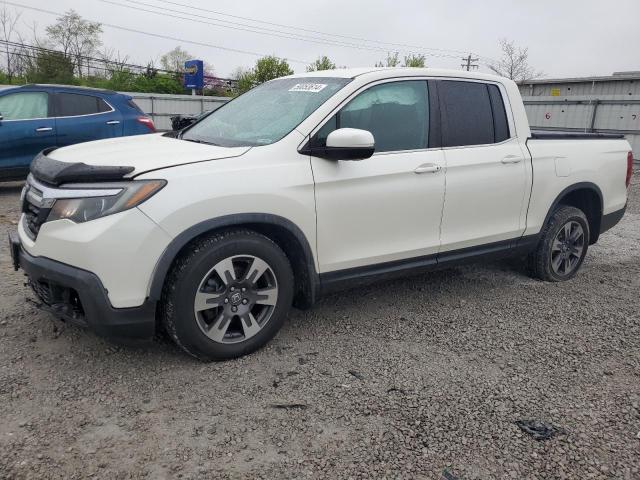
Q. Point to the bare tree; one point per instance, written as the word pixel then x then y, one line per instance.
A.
pixel 9 35
pixel 114 61
pixel 514 63
pixel 76 37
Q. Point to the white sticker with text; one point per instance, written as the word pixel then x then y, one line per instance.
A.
pixel 308 87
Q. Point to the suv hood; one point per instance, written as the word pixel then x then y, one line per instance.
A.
pixel 132 155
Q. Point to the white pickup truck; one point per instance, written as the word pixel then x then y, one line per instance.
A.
pixel 304 185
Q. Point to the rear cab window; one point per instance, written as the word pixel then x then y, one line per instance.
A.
pixel 473 113
pixel 76 104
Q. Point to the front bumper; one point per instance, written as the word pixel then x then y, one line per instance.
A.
pixel 78 296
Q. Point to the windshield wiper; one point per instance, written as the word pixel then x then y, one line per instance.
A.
pixel 195 140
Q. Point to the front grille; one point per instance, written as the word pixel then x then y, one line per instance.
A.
pixel 60 300
pixel 42 291
pixel 35 213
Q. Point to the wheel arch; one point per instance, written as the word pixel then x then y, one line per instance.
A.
pixel 283 232
pixel 586 196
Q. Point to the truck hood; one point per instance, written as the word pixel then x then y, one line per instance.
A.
pixel 141 153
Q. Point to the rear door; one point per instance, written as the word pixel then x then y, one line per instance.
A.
pixel 82 117
pixel 388 207
pixel 487 174
pixel 26 128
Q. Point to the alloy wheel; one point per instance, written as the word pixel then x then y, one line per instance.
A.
pixel 236 299
pixel 567 248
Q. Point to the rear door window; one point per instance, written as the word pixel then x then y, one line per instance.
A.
pixel 24 105
pixel 74 104
pixel 467 117
pixel 134 106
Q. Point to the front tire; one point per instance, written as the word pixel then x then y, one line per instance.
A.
pixel 562 246
pixel 228 295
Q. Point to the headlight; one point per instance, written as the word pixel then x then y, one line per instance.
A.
pixel 121 196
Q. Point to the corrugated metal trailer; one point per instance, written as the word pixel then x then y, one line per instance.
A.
pixel 160 106
pixel 592 104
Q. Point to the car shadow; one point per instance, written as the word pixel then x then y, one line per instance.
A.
pixel 10 188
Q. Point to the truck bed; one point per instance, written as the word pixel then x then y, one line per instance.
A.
pixel 555 135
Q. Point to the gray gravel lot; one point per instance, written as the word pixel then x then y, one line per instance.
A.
pixel 421 378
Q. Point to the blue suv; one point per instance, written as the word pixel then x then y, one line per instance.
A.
pixel 34 117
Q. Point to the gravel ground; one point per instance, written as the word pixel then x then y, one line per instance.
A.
pixel 424 379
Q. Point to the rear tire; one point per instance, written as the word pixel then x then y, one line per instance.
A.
pixel 227 295
pixel 562 246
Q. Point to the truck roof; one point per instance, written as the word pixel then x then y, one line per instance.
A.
pixel 390 72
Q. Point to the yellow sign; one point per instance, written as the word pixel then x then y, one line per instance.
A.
pixel 555 92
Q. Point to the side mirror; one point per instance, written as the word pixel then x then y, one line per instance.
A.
pixel 1 117
pixel 346 144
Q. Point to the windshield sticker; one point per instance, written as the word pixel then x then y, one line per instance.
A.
pixel 308 87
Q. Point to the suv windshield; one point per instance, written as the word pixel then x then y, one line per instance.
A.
pixel 266 113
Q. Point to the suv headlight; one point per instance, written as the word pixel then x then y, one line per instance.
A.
pixel 99 200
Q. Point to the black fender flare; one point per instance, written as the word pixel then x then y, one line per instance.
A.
pixel 235 220
pixel 571 188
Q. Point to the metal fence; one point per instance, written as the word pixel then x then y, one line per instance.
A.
pixel 162 106
pixel 609 104
pixel 611 115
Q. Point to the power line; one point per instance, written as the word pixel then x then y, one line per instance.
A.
pixel 416 47
pixel 263 30
pixel 117 66
pixel 156 35
pixel 470 63
pixel 251 29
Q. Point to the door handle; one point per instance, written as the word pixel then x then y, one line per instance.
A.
pixel 44 129
pixel 428 168
pixel 511 159
pixel 113 122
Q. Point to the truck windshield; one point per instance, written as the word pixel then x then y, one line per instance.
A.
pixel 266 113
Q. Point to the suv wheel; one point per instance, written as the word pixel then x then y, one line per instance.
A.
pixel 228 295
pixel 562 246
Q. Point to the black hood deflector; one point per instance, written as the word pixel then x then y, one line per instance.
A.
pixel 55 172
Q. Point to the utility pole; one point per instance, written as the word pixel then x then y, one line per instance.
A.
pixel 469 63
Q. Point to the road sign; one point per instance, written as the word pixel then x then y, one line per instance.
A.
pixel 193 74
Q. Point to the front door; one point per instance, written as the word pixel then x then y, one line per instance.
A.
pixel 25 130
pixel 388 207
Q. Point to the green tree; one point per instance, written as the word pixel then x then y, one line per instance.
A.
pixel 246 80
pixel 76 37
pixel 392 60
pixel 173 60
pixel 414 60
pixel 322 63
pixel 266 68
pixel 51 67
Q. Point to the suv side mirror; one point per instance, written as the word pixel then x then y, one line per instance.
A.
pixel 345 144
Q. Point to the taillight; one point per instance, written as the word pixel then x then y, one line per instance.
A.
pixel 629 169
pixel 147 122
